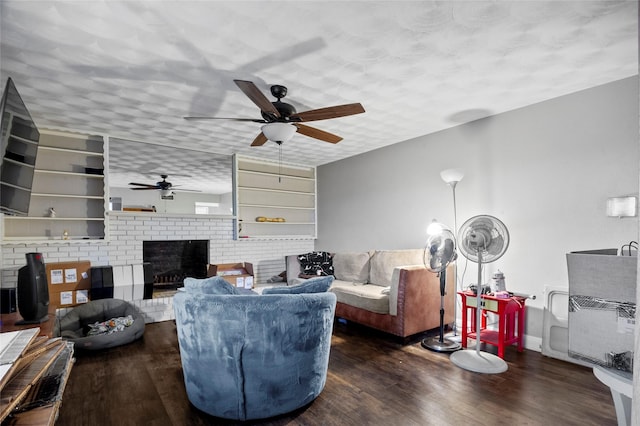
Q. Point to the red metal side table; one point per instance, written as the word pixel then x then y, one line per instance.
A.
pixel 510 320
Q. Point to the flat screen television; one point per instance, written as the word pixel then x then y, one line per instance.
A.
pixel 19 138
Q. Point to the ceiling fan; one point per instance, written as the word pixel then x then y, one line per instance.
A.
pixel 163 185
pixel 282 120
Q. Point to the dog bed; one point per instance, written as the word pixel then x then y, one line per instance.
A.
pixel 101 324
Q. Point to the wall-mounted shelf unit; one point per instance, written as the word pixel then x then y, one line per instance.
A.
pixel 68 178
pixel 274 191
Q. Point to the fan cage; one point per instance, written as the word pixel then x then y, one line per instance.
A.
pixel 439 250
pixel 475 232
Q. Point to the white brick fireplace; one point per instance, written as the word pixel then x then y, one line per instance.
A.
pixel 127 232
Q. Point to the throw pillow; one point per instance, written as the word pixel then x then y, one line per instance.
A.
pixel 211 285
pixel 352 267
pixel 312 285
pixel 383 262
pixel 315 264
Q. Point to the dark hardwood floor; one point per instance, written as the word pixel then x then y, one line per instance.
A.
pixel 373 380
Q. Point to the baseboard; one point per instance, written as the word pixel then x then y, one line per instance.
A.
pixel 532 343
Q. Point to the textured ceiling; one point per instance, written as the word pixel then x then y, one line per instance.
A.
pixel 134 69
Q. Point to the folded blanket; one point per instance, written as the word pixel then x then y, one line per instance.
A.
pixel 110 326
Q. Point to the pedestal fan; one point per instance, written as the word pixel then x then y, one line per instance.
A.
pixel 439 251
pixel 481 239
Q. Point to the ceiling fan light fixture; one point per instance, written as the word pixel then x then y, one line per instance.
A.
pixel 278 132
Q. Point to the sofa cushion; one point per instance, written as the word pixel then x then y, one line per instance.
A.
pixel 315 263
pixel 369 297
pixel 383 262
pixel 353 267
pixel 211 285
pixel 312 285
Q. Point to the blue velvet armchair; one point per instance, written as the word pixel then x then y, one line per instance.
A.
pixel 248 356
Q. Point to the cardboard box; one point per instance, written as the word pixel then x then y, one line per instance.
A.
pixel 602 305
pixel 123 282
pixel 238 274
pixel 65 279
pixel 68 299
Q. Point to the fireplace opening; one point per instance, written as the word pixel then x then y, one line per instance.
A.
pixel 173 261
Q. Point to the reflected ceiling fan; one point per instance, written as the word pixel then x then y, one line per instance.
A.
pixel 281 120
pixel 163 185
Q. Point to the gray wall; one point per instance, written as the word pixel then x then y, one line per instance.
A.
pixel 545 170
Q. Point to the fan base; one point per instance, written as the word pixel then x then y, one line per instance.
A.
pixel 453 336
pixel 434 344
pixel 479 361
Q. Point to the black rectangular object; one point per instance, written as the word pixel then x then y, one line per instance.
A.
pixel 33 290
pixel 101 293
pixel 148 280
pixel 19 138
pixel 173 260
pixel 101 282
pixel 148 272
pixel 101 276
pixel 8 300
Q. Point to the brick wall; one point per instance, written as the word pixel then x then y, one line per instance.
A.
pixel 127 232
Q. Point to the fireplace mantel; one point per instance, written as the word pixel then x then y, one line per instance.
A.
pixel 170 215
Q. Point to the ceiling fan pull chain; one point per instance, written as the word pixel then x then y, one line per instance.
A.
pixel 279 162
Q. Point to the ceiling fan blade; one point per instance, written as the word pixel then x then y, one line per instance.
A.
pixel 146 185
pixel 145 189
pixel 259 140
pixel 173 188
pixel 195 118
pixel 329 112
pixel 258 98
pixel 312 132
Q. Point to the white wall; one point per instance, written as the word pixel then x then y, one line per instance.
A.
pixel 545 170
pixel 183 202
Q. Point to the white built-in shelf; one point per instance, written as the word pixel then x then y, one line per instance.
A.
pixel 18 163
pixel 253 188
pixel 11 185
pixel 69 151
pixel 68 177
pixel 271 206
pixel 274 190
pixel 56 195
pixel 54 219
pixel 278 237
pixel 77 174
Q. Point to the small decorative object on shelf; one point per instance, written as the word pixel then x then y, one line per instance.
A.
pixel 270 219
pixel 65 235
pixel 52 212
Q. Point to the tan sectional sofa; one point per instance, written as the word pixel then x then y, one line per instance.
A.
pixel 389 290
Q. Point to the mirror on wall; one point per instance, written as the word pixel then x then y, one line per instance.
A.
pixel 168 179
